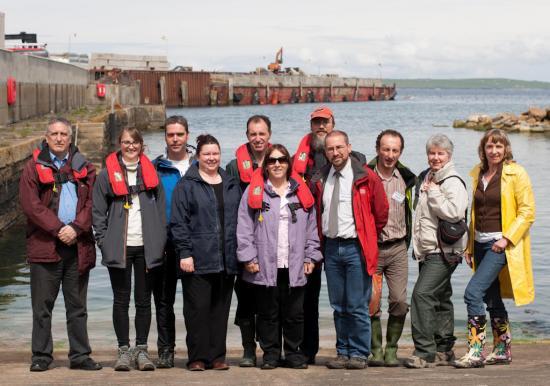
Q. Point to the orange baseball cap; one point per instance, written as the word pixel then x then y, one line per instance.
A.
pixel 322 112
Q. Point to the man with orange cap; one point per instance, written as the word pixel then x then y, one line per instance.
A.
pixel 308 159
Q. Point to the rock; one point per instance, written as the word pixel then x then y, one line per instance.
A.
pixel 532 121
pixel 537 113
pixel 458 123
pixel 537 129
pixel 524 127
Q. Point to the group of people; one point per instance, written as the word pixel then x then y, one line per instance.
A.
pixel 264 227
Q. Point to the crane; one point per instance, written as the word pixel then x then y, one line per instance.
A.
pixel 275 67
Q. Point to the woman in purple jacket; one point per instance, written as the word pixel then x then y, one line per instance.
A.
pixel 278 244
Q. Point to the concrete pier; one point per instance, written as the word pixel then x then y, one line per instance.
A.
pixel 530 367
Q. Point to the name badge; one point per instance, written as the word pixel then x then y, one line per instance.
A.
pixel 398 196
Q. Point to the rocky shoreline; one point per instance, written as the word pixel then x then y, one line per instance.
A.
pixel 534 120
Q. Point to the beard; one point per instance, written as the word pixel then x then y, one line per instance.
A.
pixel 318 144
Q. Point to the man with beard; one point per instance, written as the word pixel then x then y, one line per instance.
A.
pixel 250 156
pixel 309 158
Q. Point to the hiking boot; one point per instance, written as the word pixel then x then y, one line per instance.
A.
pixel 340 362
pixel 502 343
pixel 166 359
pixel 377 356
pixel 415 362
pixel 142 361
pixel 248 336
pixel 393 333
pixel 476 343
pixel 446 358
pixel 356 363
pixel 124 359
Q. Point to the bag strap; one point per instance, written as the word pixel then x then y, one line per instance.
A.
pixel 463 183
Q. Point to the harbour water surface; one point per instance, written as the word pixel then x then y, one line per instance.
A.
pixel 416 113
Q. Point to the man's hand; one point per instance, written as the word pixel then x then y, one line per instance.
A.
pixel 252 267
pixel 308 268
pixel 187 264
pixel 67 235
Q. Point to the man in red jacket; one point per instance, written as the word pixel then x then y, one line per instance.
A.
pixel 352 210
pixel 55 191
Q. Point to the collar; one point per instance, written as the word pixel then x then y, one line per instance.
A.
pixel 394 173
pixel 344 172
pixel 55 159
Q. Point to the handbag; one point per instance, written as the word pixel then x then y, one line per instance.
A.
pixel 450 233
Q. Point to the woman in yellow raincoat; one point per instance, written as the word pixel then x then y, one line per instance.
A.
pixel 499 251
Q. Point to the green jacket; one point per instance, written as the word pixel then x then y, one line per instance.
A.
pixel 410 181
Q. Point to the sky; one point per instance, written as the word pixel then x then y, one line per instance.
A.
pixel 384 38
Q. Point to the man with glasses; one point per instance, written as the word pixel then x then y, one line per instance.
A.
pixel 354 209
pixel 55 193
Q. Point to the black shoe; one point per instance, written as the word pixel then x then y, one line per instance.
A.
pixel 166 359
pixel 39 365
pixel 86 364
pixel 269 365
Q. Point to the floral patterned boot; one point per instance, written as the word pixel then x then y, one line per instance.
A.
pixel 502 349
pixel 476 343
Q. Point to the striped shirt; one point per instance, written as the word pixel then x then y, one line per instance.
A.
pixel 396 227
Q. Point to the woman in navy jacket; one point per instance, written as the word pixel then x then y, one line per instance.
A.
pixel 203 227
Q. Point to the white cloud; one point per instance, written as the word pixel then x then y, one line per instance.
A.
pixel 424 38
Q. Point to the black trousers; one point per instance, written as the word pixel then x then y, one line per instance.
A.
pixel 206 303
pixel 46 278
pixel 164 294
pixel 311 314
pixel 121 283
pixel 281 306
pixel 246 302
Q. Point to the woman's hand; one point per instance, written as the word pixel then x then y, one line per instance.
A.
pixel 308 268
pixel 468 258
pixel 500 245
pixel 187 264
pixel 252 267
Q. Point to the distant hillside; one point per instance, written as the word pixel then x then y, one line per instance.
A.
pixel 467 83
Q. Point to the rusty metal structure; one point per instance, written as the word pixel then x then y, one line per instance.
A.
pixel 199 88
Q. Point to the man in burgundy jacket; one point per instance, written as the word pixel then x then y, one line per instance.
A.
pixel 55 191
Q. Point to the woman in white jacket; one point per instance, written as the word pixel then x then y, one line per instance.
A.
pixel 441 195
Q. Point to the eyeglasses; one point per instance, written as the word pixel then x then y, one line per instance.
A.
pixel 130 143
pixel 273 160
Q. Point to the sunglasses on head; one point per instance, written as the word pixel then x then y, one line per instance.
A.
pixel 273 160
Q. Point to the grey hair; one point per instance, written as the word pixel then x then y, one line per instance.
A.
pixel 441 141
pixel 61 120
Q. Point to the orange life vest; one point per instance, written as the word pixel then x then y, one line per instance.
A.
pixel 46 174
pixel 256 191
pixel 118 180
pixel 302 157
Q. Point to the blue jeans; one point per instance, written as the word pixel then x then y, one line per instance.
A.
pixel 349 291
pixel 484 286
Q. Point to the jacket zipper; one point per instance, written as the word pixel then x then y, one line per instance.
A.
pixel 218 225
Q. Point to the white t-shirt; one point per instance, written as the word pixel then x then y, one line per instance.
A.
pixel 182 165
pixel 134 236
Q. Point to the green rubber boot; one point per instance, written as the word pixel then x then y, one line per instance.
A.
pixel 377 356
pixel 393 333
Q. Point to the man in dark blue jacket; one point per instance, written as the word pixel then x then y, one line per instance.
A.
pixel 171 166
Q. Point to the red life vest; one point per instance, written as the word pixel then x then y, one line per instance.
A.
pixel 256 191
pixel 302 157
pixel 46 174
pixel 244 163
pixel 118 180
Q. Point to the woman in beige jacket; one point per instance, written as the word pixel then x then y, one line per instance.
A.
pixel 441 195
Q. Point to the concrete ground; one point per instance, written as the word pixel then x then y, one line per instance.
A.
pixel 531 366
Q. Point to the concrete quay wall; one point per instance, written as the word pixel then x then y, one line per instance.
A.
pixel 43 86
